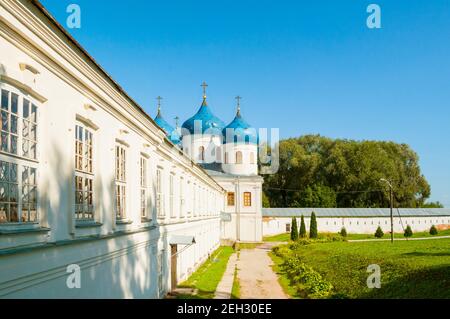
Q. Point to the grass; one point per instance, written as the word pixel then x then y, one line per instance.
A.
pixel 409 269
pixel 236 290
pixel 247 245
pixel 286 236
pixel 282 277
pixel 208 275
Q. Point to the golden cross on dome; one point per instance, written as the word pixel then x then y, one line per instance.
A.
pixel 159 102
pixel 204 85
pixel 238 99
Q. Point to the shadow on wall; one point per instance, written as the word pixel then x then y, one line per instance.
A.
pixel 126 266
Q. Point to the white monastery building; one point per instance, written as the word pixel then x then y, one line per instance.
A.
pixel 88 179
pixel 92 186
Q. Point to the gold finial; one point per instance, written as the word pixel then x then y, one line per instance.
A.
pixel 204 85
pixel 238 99
pixel 159 104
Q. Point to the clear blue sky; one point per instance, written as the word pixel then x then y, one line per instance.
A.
pixel 302 66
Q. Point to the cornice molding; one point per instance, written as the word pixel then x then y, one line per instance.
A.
pixel 21 86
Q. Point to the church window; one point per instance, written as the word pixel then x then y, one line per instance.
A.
pixel 84 172
pixel 201 152
pixel 171 194
pixel 226 157
pixel 230 199
pixel 121 182
pixel 252 158
pixel 144 187
pixel 288 228
pixel 181 197
pixel 238 157
pixel 18 175
pixel 247 199
pixel 159 195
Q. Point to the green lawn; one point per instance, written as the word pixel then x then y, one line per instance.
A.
pixel 409 269
pixel 236 289
pixel 208 276
pixel 286 236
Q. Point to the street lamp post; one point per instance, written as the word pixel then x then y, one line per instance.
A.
pixel 391 199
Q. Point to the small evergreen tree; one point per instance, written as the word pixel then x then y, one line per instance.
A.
pixel 343 232
pixel 313 226
pixel 379 233
pixel 302 228
pixel 433 230
pixel 408 232
pixel 294 229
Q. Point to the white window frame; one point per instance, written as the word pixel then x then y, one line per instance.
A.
pixel 172 195
pixel 160 211
pixel 182 196
pixel 18 157
pixel 86 173
pixel 144 194
pixel 120 156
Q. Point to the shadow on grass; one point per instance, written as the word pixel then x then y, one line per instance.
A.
pixel 426 254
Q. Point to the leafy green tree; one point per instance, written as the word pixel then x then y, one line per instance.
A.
pixel 265 201
pixel 343 232
pixel 408 232
pixel 432 205
pixel 379 232
pixel 302 227
pixel 313 226
pixel 316 171
pixel 294 229
pixel 433 230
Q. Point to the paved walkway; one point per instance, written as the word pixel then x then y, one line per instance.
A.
pixel 255 274
pixel 397 239
pixel 223 290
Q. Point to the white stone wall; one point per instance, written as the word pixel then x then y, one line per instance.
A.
pixel 117 259
pixel 366 225
pixel 244 168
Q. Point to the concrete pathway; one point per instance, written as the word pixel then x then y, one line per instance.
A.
pixel 255 274
pixel 223 290
pixel 397 239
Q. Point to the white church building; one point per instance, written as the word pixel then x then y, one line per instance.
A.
pixel 92 185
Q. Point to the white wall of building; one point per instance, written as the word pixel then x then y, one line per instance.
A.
pixel 117 259
pixel 362 225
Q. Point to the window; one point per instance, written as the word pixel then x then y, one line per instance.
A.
pixel 144 185
pixel 230 199
pixel 238 157
pixel 226 157
pixel 252 158
pixel 247 199
pixel 181 197
pixel 288 228
pixel 201 153
pixel 121 183
pixel 84 173
pixel 171 192
pixel 159 196
pixel 18 175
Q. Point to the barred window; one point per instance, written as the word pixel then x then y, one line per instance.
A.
pixel 18 173
pixel 121 183
pixel 181 197
pixel 84 173
pixel 247 199
pixel 144 185
pixel 171 192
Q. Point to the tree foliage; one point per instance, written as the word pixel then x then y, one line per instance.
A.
pixel 408 232
pixel 379 232
pixel 294 229
pixel 343 232
pixel 316 171
pixel 433 230
pixel 302 233
pixel 313 226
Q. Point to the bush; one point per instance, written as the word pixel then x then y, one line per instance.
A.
pixel 343 232
pixel 433 230
pixel 408 232
pixel 379 233
pixel 294 229
pixel 302 228
pixel 313 226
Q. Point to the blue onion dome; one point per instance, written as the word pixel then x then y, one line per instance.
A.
pixel 172 134
pixel 242 132
pixel 206 121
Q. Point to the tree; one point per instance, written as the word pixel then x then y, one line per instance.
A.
pixel 379 232
pixel 343 232
pixel 433 230
pixel 408 232
pixel 265 200
pixel 313 226
pixel 294 229
pixel 316 171
pixel 302 227
pixel 432 205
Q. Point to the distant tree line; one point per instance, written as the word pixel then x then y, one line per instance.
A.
pixel 317 171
